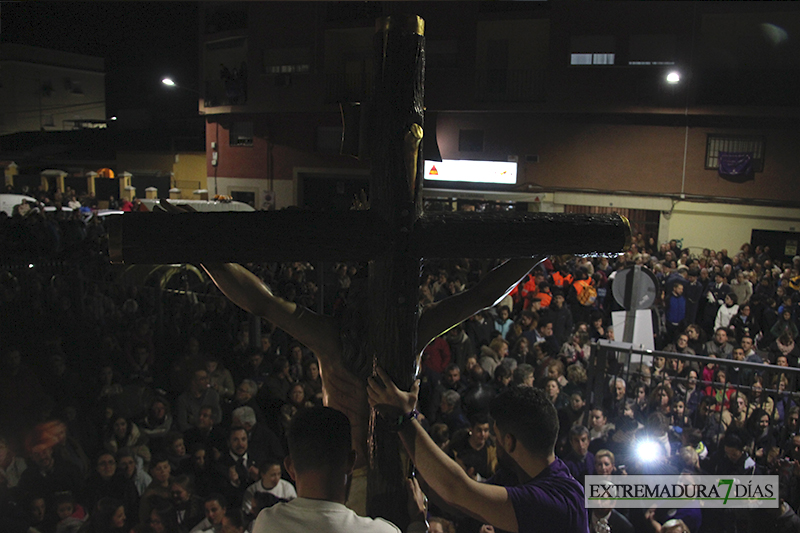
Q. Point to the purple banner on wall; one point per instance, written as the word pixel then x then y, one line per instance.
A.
pixel 736 166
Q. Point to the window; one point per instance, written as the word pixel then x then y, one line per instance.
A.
pixel 733 143
pixel 287 60
pixel 592 50
pixel 652 50
pixel 470 141
pixel 242 134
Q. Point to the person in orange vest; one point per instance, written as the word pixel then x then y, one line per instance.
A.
pixel 583 297
pixel 523 291
pixel 562 278
pixel 544 295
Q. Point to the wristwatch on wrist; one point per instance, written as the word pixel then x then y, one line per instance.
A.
pixel 402 420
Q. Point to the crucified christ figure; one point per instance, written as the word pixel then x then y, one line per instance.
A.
pixel 344 367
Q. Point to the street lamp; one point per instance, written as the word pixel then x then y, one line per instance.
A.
pixel 169 82
pixel 673 77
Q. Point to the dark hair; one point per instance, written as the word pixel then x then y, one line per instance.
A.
pixel 266 464
pixel 217 497
pixel 234 429
pixel 235 518
pixel 64 497
pixel 693 436
pixel 171 436
pixel 279 364
pixel 319 439
pixel 479 418
pixel 440 433
pixel 185 481
pixel 452 366
pixel 103 511
pixel 166 512
pixel 501 372
pixel 527 414
pixel 732 439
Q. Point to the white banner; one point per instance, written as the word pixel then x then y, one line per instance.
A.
pixel 686 490
pixel 503 172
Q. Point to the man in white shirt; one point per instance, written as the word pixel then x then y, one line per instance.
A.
pixel 320 462
pixel 271 484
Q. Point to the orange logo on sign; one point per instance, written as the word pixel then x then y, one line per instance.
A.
pixel 433 171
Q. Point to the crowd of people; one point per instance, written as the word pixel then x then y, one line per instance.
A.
pixel 128 408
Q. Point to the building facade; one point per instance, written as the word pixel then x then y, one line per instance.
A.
pixel 49 90
pixel 575 93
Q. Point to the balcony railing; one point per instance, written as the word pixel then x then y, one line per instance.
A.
pixel 501 85
pixel 225 92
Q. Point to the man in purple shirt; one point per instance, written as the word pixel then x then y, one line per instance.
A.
pixel 526 427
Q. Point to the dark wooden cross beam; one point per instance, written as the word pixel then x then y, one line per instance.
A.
pixel 394 235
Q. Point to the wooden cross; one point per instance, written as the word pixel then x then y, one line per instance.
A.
pixel 394 235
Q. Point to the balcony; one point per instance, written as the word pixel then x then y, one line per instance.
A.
pixel 225 92
pixel 496 85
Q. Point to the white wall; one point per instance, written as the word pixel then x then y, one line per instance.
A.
pixel 694 224
pixel 717 226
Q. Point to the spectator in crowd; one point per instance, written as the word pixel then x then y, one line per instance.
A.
pixel 107 516
pixel 579 460
pixel 107 481
pixel 219 377
pixel 216 509
pixel 205 433
pixel 130 469
pixel 187 505
pixel 198 394
pixel 476 446
pixel 160 472
pixel 268 490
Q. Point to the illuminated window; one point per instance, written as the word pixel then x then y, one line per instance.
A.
pixel 592 50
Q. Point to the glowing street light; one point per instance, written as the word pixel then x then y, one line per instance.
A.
pixel 168 82
pixel 673 77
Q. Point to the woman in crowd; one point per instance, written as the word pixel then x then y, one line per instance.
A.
pixel 123 433
pixel 577 349
pixel 312 381
pixel 158 420
pixel 661 400
pixel 297 400
pixel 107 516
pixel 553 391
pixel 219 377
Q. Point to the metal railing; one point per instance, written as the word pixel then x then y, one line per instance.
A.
pixel 629 360
pixel 503 85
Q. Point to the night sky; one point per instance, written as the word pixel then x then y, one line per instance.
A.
pixel 140 41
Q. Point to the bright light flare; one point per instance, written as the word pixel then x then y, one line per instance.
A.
pixel 168 82
pixel 648 451
pixel 673 77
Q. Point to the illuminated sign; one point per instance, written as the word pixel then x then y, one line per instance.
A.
pixel 501 172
